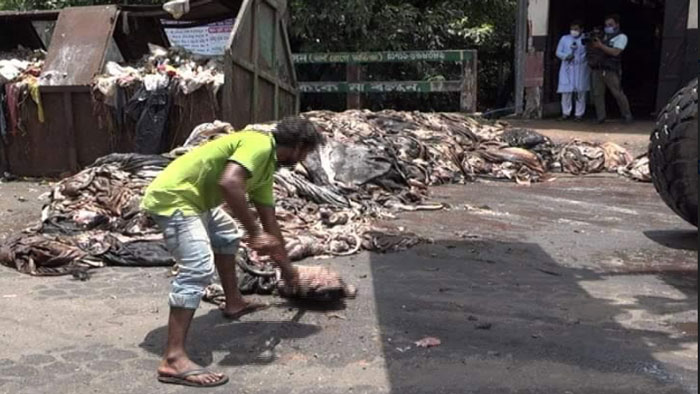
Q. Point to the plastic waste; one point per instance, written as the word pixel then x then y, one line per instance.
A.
pixel 177 8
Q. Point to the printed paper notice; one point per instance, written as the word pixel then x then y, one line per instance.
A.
pixel 208 40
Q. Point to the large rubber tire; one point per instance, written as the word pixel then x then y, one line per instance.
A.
pixel 673 153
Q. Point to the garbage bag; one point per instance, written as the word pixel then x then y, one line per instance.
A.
pixel 150 110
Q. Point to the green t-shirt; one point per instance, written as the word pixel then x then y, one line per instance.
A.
pixel 190 183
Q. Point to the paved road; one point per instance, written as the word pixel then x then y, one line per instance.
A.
pixel 579 285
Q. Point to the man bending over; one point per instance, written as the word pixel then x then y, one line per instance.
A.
pixel 184 200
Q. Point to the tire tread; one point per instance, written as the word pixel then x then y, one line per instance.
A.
pixel 673 153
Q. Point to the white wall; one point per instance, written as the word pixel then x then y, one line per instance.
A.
pixel 538 14
pixel 693 15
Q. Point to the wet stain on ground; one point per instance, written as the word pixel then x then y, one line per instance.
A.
pixel 688 328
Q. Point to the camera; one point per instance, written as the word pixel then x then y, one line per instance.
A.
pixel 595 34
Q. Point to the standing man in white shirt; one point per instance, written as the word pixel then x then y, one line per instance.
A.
pixel 574 74
pixel 607 72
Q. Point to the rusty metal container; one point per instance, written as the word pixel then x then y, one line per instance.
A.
pixel 260 83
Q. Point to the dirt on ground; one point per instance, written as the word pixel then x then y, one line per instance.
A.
pixel 20 204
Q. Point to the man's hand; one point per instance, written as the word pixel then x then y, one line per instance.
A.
pixel 610 51
pixel 278 254
pixel 596 43
pixel 569 58
pixel 290 275
pixel 266 244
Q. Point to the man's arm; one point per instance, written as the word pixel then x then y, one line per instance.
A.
pixel 562 52
pixel 233 189
pixel 610 51
pixel 269 220
pixel 270 225
pixel 233 184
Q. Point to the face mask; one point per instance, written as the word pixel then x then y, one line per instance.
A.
pixel 610 30
pixel 286 163
pixel 575 33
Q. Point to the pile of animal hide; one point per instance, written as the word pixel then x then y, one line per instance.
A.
pixel 373 165
pixel 93 219
pixel 638 169
pixel 427 149
pixel 314 283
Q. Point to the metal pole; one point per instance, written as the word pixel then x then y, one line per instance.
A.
pixel 467 99
pixel 353 74
pixel 519 64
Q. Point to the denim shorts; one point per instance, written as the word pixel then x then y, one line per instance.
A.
pixel 193 241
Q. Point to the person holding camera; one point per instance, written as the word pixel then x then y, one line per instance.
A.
pixel 574 75
pixel 606 65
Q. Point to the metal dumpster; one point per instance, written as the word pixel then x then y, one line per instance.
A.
pixel 24 29
pixel 260 83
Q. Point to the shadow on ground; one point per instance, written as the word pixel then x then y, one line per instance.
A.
pixel 675 239
pixel 510 318
pixel 244 343
pixel 513 320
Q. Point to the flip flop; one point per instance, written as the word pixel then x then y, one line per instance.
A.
pixel 181 378
pixel 250 308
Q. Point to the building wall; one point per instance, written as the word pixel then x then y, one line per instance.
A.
pixel 692 40
pixel 693 15
pixel 538 18
pixel 538 13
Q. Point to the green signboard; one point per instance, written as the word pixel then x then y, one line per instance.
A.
pixel 380 87
pixel 466 86
pixel 384 57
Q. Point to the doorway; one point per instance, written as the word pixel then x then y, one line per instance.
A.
pixel 641 20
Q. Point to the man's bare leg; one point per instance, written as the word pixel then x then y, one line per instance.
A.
pixel 235 303
pixel 175 360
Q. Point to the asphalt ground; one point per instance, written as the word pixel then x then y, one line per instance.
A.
pixel 577 285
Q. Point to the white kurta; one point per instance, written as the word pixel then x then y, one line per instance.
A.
pixel 574 75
